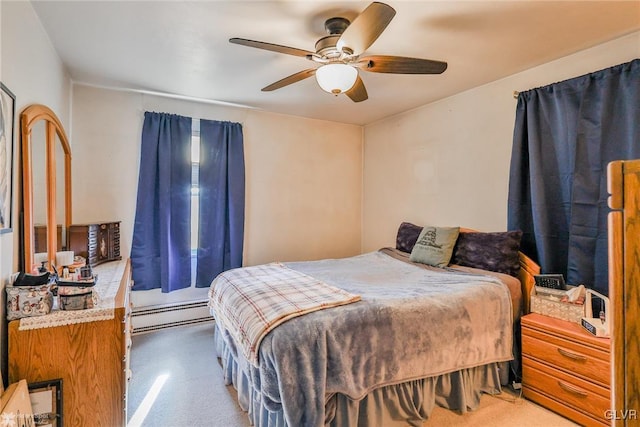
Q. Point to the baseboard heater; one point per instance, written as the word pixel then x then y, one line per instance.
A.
pixel 154 318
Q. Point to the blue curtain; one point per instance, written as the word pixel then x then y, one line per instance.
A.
pixel 565 135
pixel 221 182
pixel 160 252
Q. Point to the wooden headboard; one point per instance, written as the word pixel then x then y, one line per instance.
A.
pixel 528 269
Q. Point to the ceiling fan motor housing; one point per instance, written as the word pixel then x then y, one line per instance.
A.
pixel 326 46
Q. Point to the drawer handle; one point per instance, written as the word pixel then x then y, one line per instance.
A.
pixel 572 389
pixel 573 356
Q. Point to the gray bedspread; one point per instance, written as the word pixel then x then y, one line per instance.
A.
pixel 411 323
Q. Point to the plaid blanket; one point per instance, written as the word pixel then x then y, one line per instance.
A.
pixel 249 302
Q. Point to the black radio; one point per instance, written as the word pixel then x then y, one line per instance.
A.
pixel 553 281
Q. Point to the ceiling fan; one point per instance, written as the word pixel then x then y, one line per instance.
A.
pixel 339 54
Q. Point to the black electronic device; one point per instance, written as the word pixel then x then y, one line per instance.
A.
pixel 552 281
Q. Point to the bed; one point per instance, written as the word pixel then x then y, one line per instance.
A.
pixel 396 337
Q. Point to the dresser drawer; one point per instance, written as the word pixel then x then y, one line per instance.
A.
pixel 565 389
pixel 580 360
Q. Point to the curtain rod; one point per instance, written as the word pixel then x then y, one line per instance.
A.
pixel 515 94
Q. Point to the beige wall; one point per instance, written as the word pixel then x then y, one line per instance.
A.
pixel 32 70
pixel 303 177
pixel 447 163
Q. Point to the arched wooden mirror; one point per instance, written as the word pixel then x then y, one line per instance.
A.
pixel 46 183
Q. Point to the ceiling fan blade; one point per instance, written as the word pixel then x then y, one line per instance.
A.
pixel 358 92
pixel 272 47
pixel 401 65
pixel 301 75
pixel 366 28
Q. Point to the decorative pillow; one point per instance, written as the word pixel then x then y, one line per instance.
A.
pixel 407 236
pixel 489 251
pixel 435 246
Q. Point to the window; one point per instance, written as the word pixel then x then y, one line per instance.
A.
pixel 211 168
pixel 195 196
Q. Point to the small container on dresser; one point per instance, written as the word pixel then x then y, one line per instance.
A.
pixel 97 242
pixel 566 369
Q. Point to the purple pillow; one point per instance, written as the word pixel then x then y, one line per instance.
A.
pixel 407 236
pixel 489 251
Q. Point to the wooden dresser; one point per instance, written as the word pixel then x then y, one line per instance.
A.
pixel 97 242
pixel 566 369
pixel 90 355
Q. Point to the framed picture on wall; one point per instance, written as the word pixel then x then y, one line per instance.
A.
pixel 46 403
pixel 7 137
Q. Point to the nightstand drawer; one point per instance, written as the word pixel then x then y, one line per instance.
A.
pixel 567 355
pixel 573 392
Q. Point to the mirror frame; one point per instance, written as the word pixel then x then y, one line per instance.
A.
pixel 29 117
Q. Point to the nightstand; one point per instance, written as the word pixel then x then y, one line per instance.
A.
pixel 566 369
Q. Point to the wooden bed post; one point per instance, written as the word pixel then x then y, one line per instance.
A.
pixel 623 179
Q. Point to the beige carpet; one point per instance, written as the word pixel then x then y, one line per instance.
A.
pixel 193 392
pixel 497 411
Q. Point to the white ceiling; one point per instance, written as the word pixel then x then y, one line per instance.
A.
pixel 182 48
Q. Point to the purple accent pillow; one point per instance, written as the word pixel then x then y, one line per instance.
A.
pixel 407 236
pixel 489 251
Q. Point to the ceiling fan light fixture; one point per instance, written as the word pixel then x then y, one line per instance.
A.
pixel 336 78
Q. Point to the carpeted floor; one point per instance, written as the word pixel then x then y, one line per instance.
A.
pixel 178 366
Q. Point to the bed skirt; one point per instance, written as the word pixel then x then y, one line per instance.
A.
pixel 408 403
